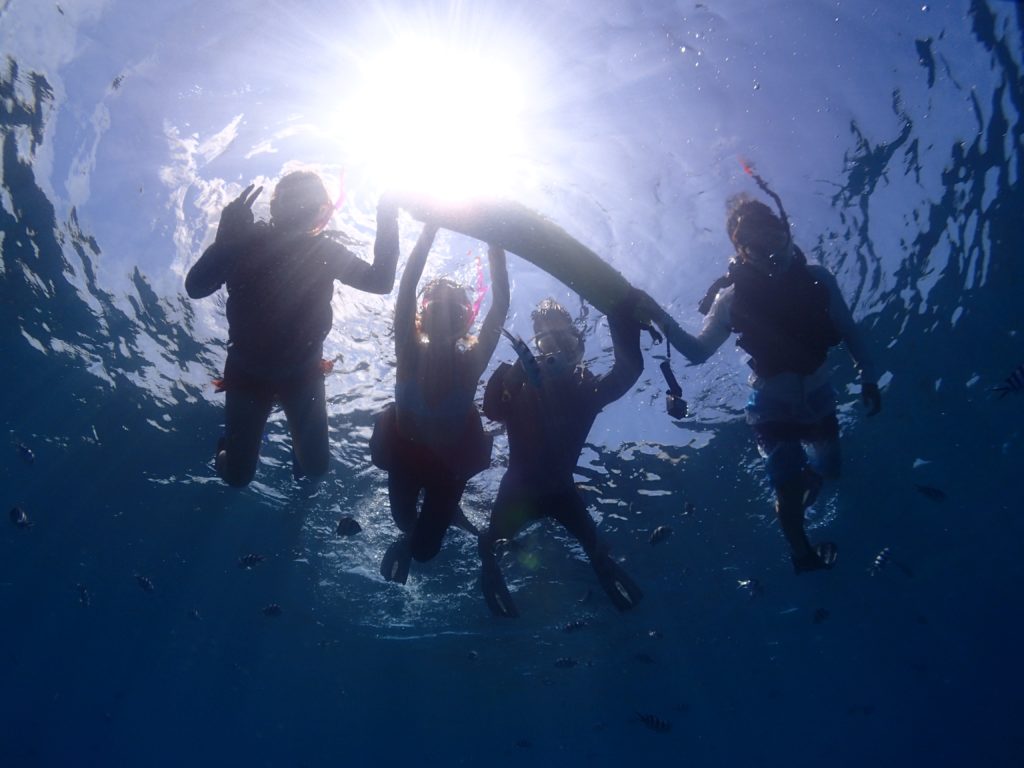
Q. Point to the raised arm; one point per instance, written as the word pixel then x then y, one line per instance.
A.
pixel 378 277
pixel 236 222
pixel 405 306
pixel 629 361
pixel 209 273
pixel 490 329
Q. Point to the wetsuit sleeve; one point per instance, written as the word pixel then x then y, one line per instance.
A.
pixel 378 277
pixel 490 329
pixel 405 305
pixel 495 394
pixel 211 271
pixel 629 361
pixel 840 314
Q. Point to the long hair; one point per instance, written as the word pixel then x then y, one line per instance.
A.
pixel 444 289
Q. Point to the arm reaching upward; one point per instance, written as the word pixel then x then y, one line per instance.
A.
pixel 236 221
pixel 629 361
pixel 490 329
pixel 378 277
pixel 405 306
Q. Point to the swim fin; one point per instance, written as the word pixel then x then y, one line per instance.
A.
pixel 621 589
pixel 496 594
pixel 822 557
pixel 394 566
pixel 463 522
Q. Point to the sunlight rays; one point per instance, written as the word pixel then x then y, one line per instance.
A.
pixel 430 113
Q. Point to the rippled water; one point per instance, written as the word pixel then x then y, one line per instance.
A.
pixel 894 136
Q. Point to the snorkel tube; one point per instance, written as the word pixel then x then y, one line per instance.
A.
pixel 529 362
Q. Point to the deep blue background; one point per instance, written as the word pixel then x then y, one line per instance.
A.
pixel 910 666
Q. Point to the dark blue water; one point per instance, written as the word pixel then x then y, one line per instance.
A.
pixel 107 382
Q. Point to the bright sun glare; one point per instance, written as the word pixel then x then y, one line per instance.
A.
pixel 436 117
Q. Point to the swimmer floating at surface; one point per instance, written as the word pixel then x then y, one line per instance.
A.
pixel 549 408
pixel 431 438
pixel 280 281
pixel 788 314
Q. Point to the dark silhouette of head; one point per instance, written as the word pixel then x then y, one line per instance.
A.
pixel 446 312
pixel 300 203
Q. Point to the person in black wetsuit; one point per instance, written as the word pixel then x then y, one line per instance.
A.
pixel 431 439
pixel 280 281
pixel 548 404
pixel 787 314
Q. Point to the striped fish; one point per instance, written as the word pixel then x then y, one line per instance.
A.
pixel 1013 383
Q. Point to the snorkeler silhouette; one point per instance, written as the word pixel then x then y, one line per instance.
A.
pixel 431 438
pixel 549 404
pixel 280 281
pixel 787 314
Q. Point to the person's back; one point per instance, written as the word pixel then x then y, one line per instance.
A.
pixel 547 423
pixel 548 405
pixel 279 299
pixel 431 440
pixel 280 281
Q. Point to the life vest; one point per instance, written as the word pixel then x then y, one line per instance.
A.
pixel 783 321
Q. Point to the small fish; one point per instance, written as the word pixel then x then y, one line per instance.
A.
pixel 644 658
pixel 654 634
pixel 250 561
pixel 272 610
pixel 750 587
pixel 1013 384
pixel 934 494
pixel 884 558
pixel 655 723
pixel 473 655
pixel 117 82
pixel 144 583
pixel 689 508
pixel 20 518
pixel 83 595
pixel 878 564
pixel 348 526
pixel 195 615
pixel 820 615
pixel 574 626
pixel 566 662
pixel 27 455
pixel 660 534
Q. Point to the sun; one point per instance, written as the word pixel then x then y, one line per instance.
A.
pixel 435 115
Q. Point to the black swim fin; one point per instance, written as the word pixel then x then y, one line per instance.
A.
pixel 463 522
pixel 621 589
pixel 496 594
pixel 822 557
pixel 394 566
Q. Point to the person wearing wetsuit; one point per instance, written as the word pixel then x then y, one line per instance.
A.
pixel 280 281
pixel 548 404
pixel 787 314
pixel 431 439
